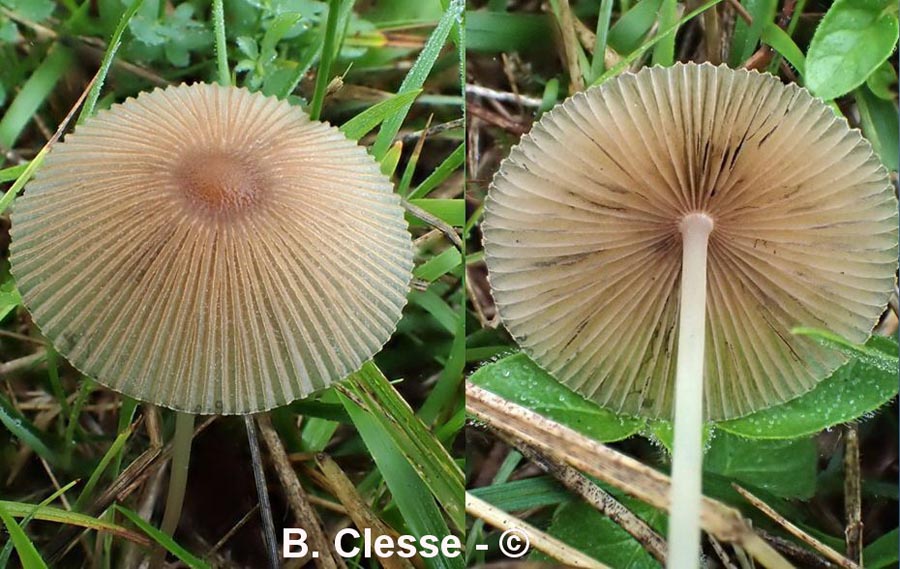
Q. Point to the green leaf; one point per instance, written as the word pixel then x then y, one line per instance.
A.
pixel 883 82
pixel 886 360
pixel 883 551
pixel 518 379
pixel 159 537
pixel 786 468
pixel 248 47
pixel 9 297
pixel 114 449
pixel 879 122
pixel 28 554
pixel 9 33
pixel 364 122
pixel 318 431
pixel 854 38
pixel 660 36
pixel 589 531
pixel 34 10
pixel 855 389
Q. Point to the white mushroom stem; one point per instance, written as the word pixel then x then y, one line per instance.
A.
pixel 178 471
pixel 687 460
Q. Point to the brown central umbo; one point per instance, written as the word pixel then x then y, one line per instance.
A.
pixel 220 181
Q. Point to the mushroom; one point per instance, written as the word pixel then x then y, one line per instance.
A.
pixel 211 250
pixel 698 212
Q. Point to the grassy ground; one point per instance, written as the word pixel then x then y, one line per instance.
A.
pixel 76 457
pixel 806 470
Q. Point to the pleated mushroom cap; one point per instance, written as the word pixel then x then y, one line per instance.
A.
pixel 211 250
pixel 583 247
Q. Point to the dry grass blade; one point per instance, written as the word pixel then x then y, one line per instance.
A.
pixel 828 552
pixel 343 489
pixel 853 494
pixel 721 554
pixel 538 539
pixel 566 22
pixel 611 467
pixel 602 501
pixel 305 515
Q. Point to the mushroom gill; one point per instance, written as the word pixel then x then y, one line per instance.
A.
pixel 583 239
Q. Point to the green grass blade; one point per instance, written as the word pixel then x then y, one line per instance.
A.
pixel 101 467
pixel 631 28
pixel 28 554
pixel 11 173
pixel 598 65
pixel 446 390
pixel 631 57
pixel 318 431
pixel 364 122
pixel 33 94
pixel 7 549
pixel 441 173
pixel 432 303
pixel 87 385
pixel 439 265
pixel 424 453
pixel 417 75
pixel 497 32
pixel 323 73
pixel 159 537
pixel 410 494
pixel 27 433
pixel 452 212
pixel 785 46
pixel 60 516
pixel 23 178
pixel 664 52
pixel 390 160
pixel 221 45
pixel 746 36
pixel 115 41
